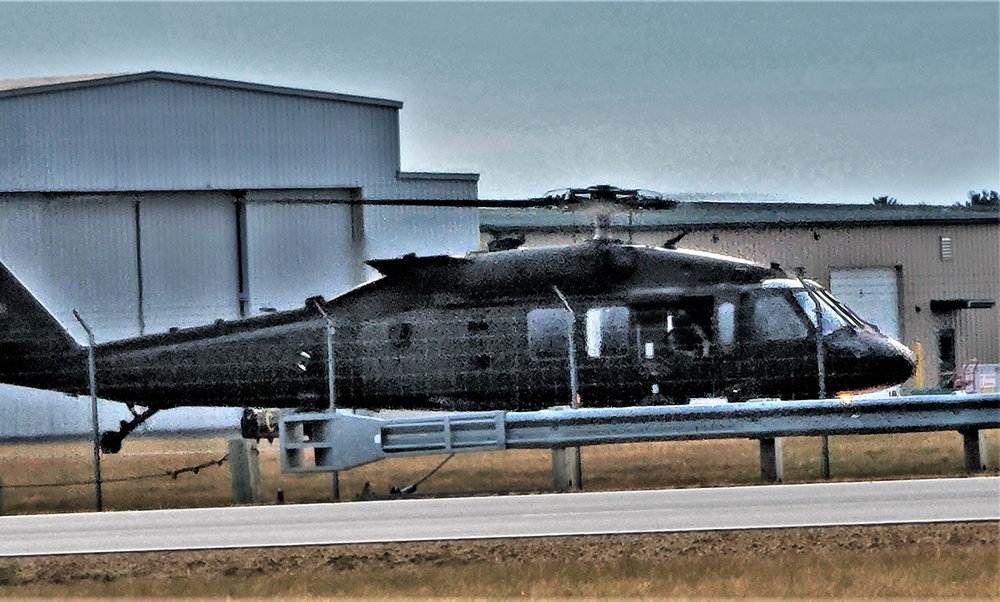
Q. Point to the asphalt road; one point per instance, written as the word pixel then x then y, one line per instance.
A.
pixel 818 504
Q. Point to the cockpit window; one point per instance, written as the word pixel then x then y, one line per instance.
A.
pixel 832 319
pixel 775 319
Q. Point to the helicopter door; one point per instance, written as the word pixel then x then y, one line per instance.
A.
pixel 778 354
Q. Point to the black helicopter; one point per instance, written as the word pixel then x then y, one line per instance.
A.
pixel 487 331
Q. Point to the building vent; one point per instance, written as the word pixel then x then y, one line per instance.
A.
pixel 946 251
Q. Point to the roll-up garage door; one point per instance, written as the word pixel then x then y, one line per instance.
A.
pixel 872 293
pixel 190 269
pixel 297 250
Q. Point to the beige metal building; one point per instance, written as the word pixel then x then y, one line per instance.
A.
pixel 928 275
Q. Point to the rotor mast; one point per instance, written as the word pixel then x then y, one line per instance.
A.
pixel 603 202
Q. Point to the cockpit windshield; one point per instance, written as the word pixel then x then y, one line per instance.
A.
pixel 832 319
pixel 845 311
pixel 835 314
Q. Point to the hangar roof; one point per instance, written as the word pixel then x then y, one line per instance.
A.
pixel 702 215
pixel 42 85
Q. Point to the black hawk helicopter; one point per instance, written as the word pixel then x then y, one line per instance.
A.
pixel 487 331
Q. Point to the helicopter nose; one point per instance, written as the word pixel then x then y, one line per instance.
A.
pixel 896 360
pixel 865 360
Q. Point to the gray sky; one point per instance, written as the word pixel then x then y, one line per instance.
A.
pixel 827 102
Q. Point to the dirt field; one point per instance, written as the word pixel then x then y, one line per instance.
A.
pixel 949 560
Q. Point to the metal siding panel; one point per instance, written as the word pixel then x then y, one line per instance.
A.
pixel 91 254
pixel 76 254
pixel 159 135
pixel 396 231
pixel 22 244
pixel 296 251
pixel 33 414
pixel 422 188
pixel 189 260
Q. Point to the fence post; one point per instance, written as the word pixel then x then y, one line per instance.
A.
pixel 94 419
pixel 772 462
pixel 974 444
pixel 331 374
pixel 244 470
pixel 567 468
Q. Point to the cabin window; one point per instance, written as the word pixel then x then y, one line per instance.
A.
pixel 684 328
pixel 548 332
pixel 775 320
pixel 725 315
pixel 607 331
pixel 401 335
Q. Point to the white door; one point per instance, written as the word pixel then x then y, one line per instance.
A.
pixel 873 293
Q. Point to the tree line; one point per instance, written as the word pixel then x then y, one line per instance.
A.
pixel 986 198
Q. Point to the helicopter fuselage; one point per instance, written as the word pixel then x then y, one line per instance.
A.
pixel 494 331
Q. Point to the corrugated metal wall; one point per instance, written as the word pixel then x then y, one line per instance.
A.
pixel 147 260
pixel 189 260
pixel 395 231
pixel 973 272
pixel 30 415
pixel 170 135
pixel 425 186
pixel 76 254
pixel 296 251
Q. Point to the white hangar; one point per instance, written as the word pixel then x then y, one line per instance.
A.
pixel 149 201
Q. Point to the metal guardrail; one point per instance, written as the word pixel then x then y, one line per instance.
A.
pixel 339 441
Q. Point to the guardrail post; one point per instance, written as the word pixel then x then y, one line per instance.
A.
pixel 772 462
pixel 974 443
pixel 566 469
pixel 244 470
